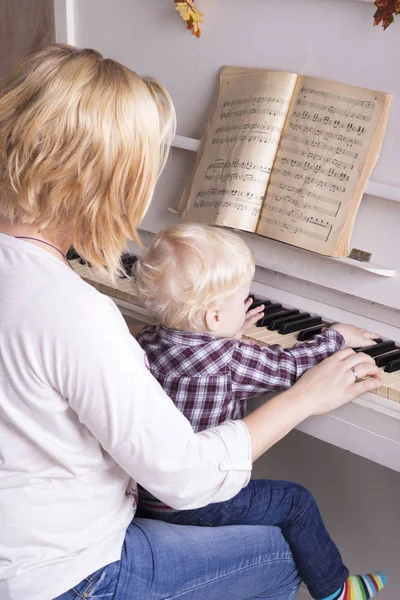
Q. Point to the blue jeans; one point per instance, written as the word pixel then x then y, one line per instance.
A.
pixel 289 506
pixel 161 561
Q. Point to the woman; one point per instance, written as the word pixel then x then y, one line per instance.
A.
pixel 82 141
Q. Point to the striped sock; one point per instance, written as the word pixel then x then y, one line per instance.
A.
pixel 360 587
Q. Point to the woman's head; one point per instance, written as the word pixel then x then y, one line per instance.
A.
pixel 196 277
pixel 82 142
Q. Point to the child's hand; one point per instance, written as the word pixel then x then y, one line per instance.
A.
pixel 354 336
pixel 252 316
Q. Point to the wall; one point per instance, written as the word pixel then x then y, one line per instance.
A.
pixel 328 38
pixel 24 26
pixel 334 39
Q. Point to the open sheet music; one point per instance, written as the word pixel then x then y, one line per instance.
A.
pixel 287 157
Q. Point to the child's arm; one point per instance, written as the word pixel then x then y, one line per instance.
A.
pixel 256 370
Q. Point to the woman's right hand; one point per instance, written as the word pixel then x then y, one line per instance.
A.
pixel 333 382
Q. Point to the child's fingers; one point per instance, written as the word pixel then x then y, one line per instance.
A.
pixel 255 311
pixel 249 302
pixel 251 320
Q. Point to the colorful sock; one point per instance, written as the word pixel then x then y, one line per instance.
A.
pixel 360 587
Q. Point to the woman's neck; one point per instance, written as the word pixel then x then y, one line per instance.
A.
pixel 60 240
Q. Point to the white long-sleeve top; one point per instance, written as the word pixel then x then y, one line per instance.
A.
pixel 82 420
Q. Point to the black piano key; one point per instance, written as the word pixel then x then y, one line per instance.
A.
pixel 257 303
pixel 393 366
pixel 271 309
pixel 308 334
pixel 300 324
pixel 279 321
pixel 385 359
pixel 377 349
pixel 72 254
pixel 127 262
pixel 268 319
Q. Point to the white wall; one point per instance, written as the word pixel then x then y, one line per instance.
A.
pixel 333 39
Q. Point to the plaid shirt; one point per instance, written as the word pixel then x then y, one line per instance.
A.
pixel 209 378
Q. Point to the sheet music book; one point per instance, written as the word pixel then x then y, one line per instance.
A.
pixel 287 157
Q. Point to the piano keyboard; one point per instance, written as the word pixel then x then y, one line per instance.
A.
pixel 279 325
pixel 369 426
pixel 121 289
pixel 287 327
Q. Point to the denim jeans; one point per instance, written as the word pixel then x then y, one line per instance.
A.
pixel 162 561
pixel 287 505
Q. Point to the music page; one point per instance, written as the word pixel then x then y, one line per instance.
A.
pixel 239 146
pixel 328 148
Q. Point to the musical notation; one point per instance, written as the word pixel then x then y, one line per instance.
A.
pixel 248 165
pixel 306 165
pixel 248 126
pixel 341 164
pixel 325 135
pixel 307 180
pixel 256 100
pixel 334 110
pixel 327 120
pixel 240 207
pixel 249 138
pixel 310 151
pixel 247 133
pixel 319 207
pixel 291 228
pixel 246 171
pixel 337 97
pixel 318 152
pixel 250 197
pixel 272 112
pixel 246 177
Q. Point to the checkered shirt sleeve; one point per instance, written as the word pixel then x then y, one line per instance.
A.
pixel 256 370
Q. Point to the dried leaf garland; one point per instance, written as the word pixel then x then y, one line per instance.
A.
pixel 385 11
pixel 191 15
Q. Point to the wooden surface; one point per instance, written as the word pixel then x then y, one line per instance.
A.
pixel 24 26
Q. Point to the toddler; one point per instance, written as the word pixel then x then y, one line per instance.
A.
pixel 195 281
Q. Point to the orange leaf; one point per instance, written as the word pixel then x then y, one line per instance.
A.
pixel 189 13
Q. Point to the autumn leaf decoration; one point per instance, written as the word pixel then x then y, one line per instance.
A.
pixel 190 14
pixel 385 11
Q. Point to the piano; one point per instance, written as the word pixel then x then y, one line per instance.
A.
pixel 369 426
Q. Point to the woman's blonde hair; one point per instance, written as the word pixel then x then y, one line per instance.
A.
pixel 188 269
pixel 82 142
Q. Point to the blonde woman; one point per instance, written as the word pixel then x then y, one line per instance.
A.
pixel 82 141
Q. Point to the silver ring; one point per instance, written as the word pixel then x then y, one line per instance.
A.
pixel 355 375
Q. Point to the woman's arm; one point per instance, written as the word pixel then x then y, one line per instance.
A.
pixel 102 372
pixel 322 389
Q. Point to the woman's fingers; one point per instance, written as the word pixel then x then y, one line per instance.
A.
pixel 365 369
pixel 365 385
pixel 351 358
pixel 369 335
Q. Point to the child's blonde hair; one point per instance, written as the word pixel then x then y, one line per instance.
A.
pixel 188 269
pixel 82 142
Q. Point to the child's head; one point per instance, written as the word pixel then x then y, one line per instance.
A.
pixel 196 278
